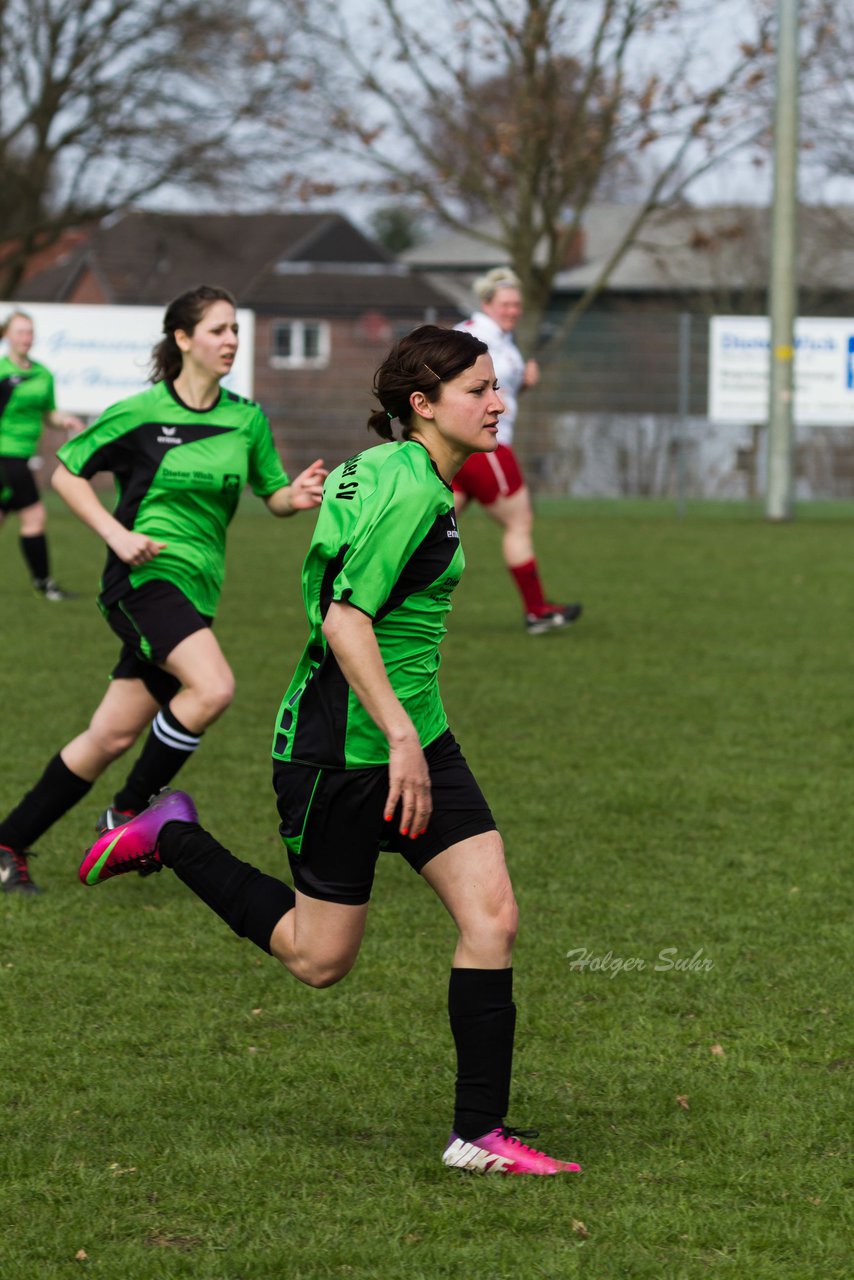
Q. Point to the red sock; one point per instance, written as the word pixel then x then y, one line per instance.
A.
pixel 527 579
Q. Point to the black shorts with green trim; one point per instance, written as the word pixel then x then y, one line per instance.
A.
pixel 333 828
pixel 17 484
pixel 151 620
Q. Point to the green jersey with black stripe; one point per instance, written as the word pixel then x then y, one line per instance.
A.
pixel 179 474
pixel 386 542
pixel 26 395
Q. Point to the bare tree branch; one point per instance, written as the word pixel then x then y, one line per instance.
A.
pixel 106 102
pixel 505 118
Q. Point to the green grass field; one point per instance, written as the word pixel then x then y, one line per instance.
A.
pixel 675 783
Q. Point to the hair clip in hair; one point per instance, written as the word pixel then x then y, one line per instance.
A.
pixel 433 371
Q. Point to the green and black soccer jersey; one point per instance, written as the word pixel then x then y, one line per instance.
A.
pixel 386 542
pixel 179 474
pixel 26 395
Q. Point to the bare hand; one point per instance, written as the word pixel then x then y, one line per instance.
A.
pixel 135 548
pixel 531 376
pixel 409 783
pixel 307 488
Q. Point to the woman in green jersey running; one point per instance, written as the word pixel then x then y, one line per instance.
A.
pixel 364 759
pixel 27 404
pixel 181 453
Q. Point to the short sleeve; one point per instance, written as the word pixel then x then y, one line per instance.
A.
pixel 391 522
pixel 103 446
pixel 266 473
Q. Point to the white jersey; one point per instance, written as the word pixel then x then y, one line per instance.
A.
pixel 509 367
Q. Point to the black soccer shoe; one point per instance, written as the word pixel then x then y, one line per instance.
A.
pixel 555 617
pixel 52 590
pixel 112 818
pixel 14 873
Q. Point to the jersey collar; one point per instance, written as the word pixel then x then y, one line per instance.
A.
pixel 483 321
pixel 170 387
pixel 439 476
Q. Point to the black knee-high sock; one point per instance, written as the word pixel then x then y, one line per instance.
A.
pixel 57 791
pixel 249 902
pixel 34 551
pixel 168 746
pixel 483 1022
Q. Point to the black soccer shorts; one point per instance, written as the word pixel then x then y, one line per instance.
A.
pixel 17 485
pixel 151 620
pixel 333 827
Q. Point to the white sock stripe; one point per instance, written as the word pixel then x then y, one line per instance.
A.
pixel 173 737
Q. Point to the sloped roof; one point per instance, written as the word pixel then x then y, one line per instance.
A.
pixel 709 248
pixel 302 262
pixel 687 248
pixel 459 250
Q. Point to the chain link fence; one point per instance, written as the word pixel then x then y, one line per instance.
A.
pixel 620 411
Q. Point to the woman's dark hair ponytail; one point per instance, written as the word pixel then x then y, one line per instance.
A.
pixel 422 361
pixel 380 421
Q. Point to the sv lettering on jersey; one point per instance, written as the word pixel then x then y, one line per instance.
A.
pixel 346 490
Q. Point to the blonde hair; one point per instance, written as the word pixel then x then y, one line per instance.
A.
pixel 485 287
pixel 13 315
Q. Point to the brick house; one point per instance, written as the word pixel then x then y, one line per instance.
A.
pixel 328 302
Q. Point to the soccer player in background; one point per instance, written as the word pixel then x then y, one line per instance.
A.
pixel 181 453
pixel 364 759
pixel 495 479
pixel 27 403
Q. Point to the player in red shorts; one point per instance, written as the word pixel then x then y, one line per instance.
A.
pixel 495 480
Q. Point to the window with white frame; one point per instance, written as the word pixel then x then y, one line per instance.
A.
pixel 300 344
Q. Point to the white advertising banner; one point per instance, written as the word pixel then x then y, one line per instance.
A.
pixel 100 354
pixel 739 360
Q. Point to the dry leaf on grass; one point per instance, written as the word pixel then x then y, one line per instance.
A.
pixel 682 1099
pixel 717 1050
pixel 579 1229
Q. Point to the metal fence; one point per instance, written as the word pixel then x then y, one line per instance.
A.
pixel 622 411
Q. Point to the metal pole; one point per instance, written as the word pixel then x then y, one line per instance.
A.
pixel 684 406
pixel 783 299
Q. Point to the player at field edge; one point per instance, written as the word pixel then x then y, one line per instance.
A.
pixel 181 453
pixel 495 479
pixel 27 404
pixel 364 760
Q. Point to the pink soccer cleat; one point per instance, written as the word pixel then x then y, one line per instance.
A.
pixel 500 1151
pixel 133 845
